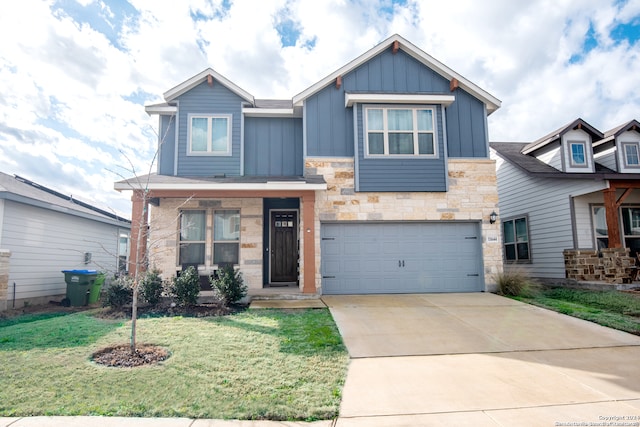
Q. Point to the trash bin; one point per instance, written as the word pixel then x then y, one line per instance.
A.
pixel 78 285
pixel 94 294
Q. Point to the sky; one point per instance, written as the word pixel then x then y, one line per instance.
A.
pixel 75 74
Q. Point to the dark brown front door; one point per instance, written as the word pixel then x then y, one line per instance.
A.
pixel 284 246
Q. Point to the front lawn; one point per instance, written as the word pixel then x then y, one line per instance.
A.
pixel 259 364
pixel 615 309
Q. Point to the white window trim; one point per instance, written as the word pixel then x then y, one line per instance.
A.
pixel 386 154
pixel 573 164
pixel 209 151
pixel 516 242
pixel 626 159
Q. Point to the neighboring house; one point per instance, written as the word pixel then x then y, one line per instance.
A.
pixel 43 232
pixel 571 189
pixel 376 179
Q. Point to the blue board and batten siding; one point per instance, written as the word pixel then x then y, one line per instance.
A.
pixel 273 146
pixel 330 128
pixel 406 174
pixel 167 145
pixel 205 99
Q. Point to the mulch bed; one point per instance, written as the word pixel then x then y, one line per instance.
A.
pixel 120 356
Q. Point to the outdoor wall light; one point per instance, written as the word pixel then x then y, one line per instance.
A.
pixel 493 217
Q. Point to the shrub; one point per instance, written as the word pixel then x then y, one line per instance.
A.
pixel 515 283
pixel 186 287
pixel 120 293
pixel 151 287
pixel 229 285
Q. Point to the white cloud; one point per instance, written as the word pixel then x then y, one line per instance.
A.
pixel 72 97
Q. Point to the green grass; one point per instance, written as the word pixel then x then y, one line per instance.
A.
pixel 259 364
pixel 619 310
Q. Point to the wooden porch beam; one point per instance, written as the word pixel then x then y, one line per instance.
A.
pixel 622 198
pixel 611 215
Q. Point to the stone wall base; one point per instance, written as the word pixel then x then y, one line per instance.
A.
pixel 611 265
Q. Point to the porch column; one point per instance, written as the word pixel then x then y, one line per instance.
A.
pixel 308 201
pixel 139 228
pixel 611 213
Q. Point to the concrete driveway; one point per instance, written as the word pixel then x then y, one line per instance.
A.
pixel 481 360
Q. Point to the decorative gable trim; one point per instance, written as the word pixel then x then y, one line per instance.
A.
pixel 396 98
pixel 557 134
pixel 271 112
pixel 161 109
pixel 492 103
pixel 203 76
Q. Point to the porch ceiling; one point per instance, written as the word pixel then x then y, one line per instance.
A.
pixel 161 183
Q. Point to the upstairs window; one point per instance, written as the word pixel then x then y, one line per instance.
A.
pixel 578 153
pixel 631 156
pixel 209 135
pixel 516 240
pixel 226 237
pixel 400 132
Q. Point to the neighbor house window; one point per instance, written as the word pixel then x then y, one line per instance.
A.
pixel 192 236
pixel 400 132
pixel 631 157
pixel 210 135
pixel 600 230
pixel 226 237
pixel 516 240
pixel 578 153
pixel 631 228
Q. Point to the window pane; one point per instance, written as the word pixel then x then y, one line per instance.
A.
pixel 225 253
pixel 523 251
pixel 192 225
pixel 577 154
pixel 400 119
pixel 226 225
pixel 631 154
pixel 374 120
pixel 192 253
pixel 425 120
pixel 199 134
pixel 400 143
pixel 376 143
pixel 521 230
pixel 510 252
pixel 425 143
pixel 631 221
pixel 600 220
pixel 509 236
pixel 219 135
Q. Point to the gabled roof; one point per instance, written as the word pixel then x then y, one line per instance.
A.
pixel 612 134
pixel 557 134
pixel 492 103
pixel 513 153
pixel 28 192
pixel 201 77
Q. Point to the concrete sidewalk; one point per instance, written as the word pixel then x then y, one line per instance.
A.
pixel 146 422
pixel 481 360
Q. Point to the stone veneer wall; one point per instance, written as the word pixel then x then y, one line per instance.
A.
pixel 163 239
pixel 472 196
pixel 4 277
pixel 611 265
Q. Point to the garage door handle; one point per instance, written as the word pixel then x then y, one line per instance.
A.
pixel 471 237
pixel 328 238
pixel 473 275
pixel 328 277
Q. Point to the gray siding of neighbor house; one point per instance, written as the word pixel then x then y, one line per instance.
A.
pixel 272 146
pixel 204 99
pixel 44 242
pixel 167 145
pixel 407 174
pixel 329 125
pixel 547 204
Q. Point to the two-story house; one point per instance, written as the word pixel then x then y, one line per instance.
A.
pixel 570 190
pixel 376 179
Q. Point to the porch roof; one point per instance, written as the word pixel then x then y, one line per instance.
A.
pixel 236 183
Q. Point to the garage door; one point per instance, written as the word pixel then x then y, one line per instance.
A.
pixel 401 258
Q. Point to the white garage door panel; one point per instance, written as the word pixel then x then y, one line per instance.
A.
pixel 401 258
